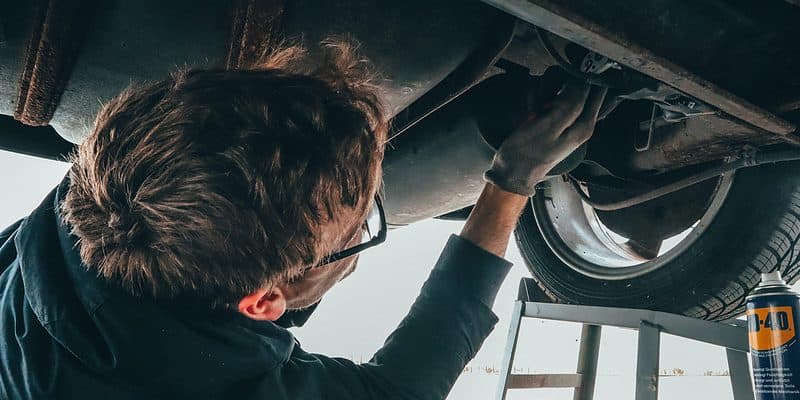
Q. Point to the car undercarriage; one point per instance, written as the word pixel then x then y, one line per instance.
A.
pixel 693 157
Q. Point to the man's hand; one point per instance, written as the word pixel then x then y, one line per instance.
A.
pixel 524 159
pixel 533 149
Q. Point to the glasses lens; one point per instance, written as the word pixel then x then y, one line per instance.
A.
pixel 373 224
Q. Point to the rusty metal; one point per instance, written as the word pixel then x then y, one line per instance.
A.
pixel 694 141
pixel 58 34
pixel 571 21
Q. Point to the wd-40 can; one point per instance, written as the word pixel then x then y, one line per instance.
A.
pixel 772 311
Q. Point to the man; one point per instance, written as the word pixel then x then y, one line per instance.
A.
pixel 202 207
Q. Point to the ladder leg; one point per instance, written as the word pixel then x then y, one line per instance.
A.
pixel 739 371
pixel 511 348
pixel 587 361
pixel 647 357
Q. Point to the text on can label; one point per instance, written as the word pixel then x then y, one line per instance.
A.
pixel 770 327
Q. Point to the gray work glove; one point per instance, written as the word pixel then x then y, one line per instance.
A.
pixel 540 143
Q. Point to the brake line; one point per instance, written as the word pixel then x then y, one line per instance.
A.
pixel 748 158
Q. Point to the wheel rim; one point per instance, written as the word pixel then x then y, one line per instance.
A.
pixel 574 232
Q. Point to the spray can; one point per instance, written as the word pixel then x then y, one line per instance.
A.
pixel 772 312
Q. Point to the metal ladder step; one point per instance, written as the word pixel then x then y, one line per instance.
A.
pixel 732 335
pixel 534 381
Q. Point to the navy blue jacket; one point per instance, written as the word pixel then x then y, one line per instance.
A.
pixel 67 334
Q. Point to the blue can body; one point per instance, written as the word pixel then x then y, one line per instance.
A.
pixel 774 348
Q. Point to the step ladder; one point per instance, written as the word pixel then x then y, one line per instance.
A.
pixel 531 303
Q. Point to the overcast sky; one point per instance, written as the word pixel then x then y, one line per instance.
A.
pixel 356 316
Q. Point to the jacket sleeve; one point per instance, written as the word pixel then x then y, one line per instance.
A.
pixel 424 356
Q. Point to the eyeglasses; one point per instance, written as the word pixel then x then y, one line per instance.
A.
pixel 374 233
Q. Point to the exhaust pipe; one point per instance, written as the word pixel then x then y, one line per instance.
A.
pixel 437 165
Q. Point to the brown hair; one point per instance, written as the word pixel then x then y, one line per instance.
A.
pixel 212 184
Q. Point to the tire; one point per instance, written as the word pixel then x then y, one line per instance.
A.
pixel 755 230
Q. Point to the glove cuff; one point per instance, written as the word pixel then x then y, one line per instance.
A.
pixel 505 180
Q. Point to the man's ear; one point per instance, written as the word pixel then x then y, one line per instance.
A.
pixel 264 304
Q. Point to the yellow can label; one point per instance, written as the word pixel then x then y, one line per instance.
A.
pixel 770 327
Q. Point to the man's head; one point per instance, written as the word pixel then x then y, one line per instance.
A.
pixel 223 186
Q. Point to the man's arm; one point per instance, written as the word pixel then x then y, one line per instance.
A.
pixel 426 353
pixel 493 218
